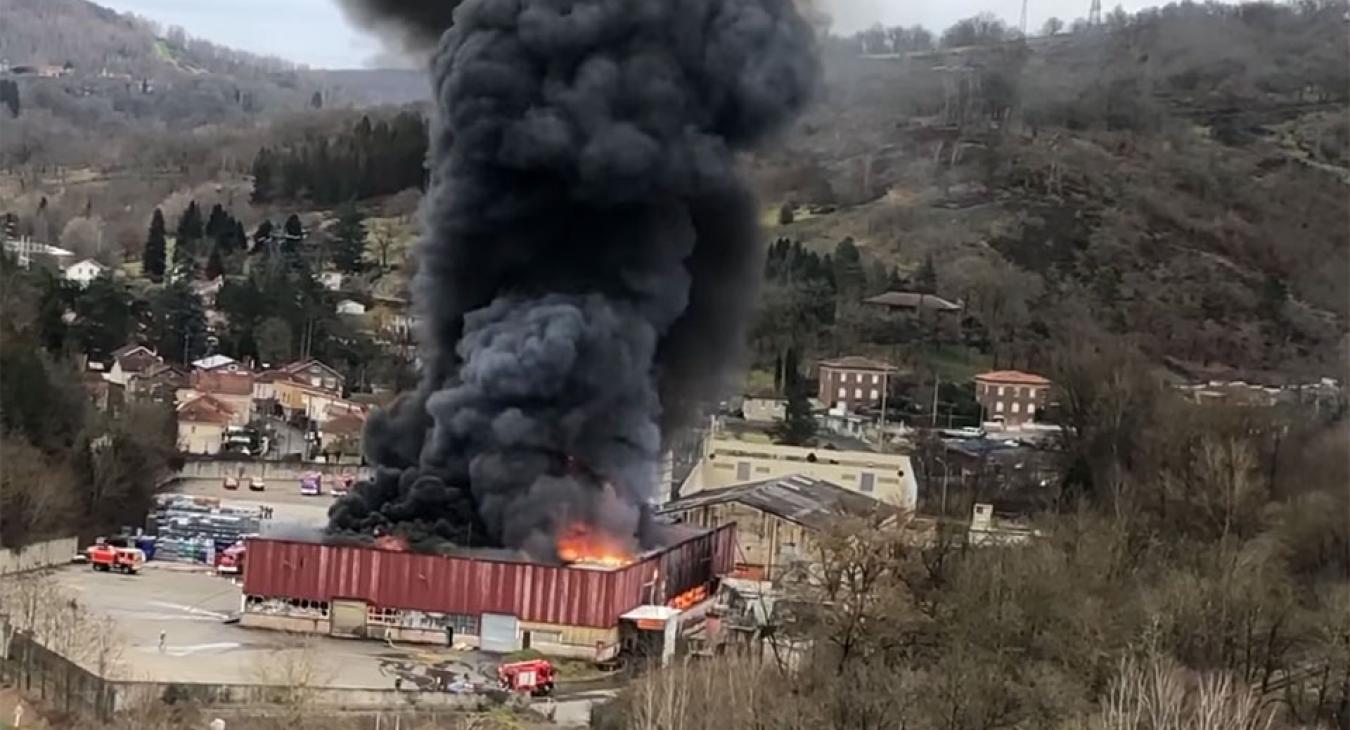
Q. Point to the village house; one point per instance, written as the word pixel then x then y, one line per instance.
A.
pixel 234 389
pixel 774 518
pixel 219 363
pixel 727 460
pixel 202 422
pixel 853 381
pixel 303 401
pixel 130 361
pixel 1011 396
pixel 158 383
pixel 84 272
pixel 340 434
pixel 316 374
pixel 914 303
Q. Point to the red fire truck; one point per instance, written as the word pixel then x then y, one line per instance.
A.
pixel 534 676
pixel 107 556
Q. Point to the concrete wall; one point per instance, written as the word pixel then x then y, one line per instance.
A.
pixel 45 676
pixel 295 624
pixel 277 470
pixel 726 462
pixel 38 555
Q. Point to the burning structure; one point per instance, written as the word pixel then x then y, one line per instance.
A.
pixel 480 598
pixel 588 261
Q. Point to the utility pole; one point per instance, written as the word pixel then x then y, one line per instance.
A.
pixel 885 386
pixel 937 380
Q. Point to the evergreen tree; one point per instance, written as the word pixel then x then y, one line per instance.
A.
pixel 264 172
pixel 216 223
pixel 177 321
pixel 925 279
pixel 350 239
pixel 105 317
pixel 316 101
pixel 215 265
pixel 9 96
pixel 155 248
pixel 294 230
pixel 190 232
pixel 799 424
pixel 262 237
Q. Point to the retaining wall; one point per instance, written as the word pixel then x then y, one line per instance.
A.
pixel 38 556
pixel 277 470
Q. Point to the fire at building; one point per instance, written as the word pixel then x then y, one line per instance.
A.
pixel 597 605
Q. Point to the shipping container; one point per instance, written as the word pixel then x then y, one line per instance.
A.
pixel 569 595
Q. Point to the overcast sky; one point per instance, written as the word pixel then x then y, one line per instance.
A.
pixel 314 32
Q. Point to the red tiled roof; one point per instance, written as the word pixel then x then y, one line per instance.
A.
pixel 347 424
pixel 1013 377
pixel 857 362
pixel 205 409
pixel 137 360
pixel 223 383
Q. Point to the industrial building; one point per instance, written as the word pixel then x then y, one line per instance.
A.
pixel 480 599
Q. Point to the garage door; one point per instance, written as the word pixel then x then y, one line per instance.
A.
pixel 348 618
pixel 499 633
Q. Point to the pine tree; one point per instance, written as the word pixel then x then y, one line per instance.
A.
pixel 350 239
pixel 316 101
pixel 9 96
pixel 190 232
pixel 177 321
pixel 262 238
pixel 216 222
pixel 925 279
pixel 295 231
pixel 215 265
pixel 155 248
pixel 799 424
pixel 264 170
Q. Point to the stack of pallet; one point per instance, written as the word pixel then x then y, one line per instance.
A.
pixel 191 529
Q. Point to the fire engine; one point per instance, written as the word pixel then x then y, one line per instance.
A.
pixel 534 676
pixel 106 556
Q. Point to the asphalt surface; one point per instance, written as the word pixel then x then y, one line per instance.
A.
pixel 192 608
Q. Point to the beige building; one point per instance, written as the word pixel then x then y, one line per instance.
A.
pixel 234 389
pixel 201 425
pixel 728 461
pixel 774 518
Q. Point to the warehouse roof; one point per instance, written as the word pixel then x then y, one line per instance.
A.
pixel 809 502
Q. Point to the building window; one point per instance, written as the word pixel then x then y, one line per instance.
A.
pixel 1031 409
pixel 545 637
pixel 998 406
pixel 1000 390
pixel 868 482
pixel 743 471
pixel 843 392
pixel 875 395
pixel 857 393
pixel 1016 407
pixel 876 379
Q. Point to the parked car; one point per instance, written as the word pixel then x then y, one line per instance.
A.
pixel 231 483
pixel 256 485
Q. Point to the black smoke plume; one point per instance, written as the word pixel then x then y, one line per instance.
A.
pixel 589 260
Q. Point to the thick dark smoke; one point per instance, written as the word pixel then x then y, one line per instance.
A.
pixel 589 260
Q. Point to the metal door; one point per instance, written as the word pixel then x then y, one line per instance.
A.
pixel 348 618
pixel 499 633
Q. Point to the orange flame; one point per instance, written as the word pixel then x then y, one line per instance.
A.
pixel 580 543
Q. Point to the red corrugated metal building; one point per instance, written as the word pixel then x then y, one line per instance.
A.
pixel 495 604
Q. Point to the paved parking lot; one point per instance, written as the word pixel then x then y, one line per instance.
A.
pixel 192 607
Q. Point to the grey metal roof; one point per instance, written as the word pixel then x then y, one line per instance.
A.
pixel 809 502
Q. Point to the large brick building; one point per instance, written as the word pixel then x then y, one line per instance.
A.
pixel 853 381
pixel 1011 396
